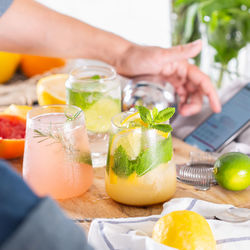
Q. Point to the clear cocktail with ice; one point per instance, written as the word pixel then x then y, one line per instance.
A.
pixel 96 90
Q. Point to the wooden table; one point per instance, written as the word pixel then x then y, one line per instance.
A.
pixel 96 204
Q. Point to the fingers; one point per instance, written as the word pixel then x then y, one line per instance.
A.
pixel 183 51
pixel 204 83
pixel 193 106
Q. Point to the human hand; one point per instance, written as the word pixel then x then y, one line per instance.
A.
pixel 189 82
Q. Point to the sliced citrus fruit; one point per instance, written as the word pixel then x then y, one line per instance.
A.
pixel 98 116
pixel 8 65
pixel 35 65
pixel 130 140
pixel 51 89
pixel 19 110
pixel 12 133
pixel 133 120
pixel 184 230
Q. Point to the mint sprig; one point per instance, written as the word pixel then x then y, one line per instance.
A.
pixel 156 119
pixel 95 77
pixel 147 160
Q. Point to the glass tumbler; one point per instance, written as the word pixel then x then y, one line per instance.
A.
pixel 57 158
pixel 140 170
pixel 97 91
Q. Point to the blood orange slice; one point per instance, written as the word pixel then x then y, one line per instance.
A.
pixel 12 133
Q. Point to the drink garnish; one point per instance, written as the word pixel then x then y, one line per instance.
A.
pixel 74 116
pixel 146 160
pixel 156 119
pixel 124 161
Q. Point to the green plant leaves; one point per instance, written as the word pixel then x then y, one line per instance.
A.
pixel 123 167
pixel 156 122
pixel 164 115
pixel 82 99
pixel 154 112
pixel 147 160
pixel 163 127
pixel 152 157
pixel 95 77
pixel 145 114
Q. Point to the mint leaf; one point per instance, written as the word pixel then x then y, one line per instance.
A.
pixel 164 115
pixel 84 158
pixel 95 77
pixel 123 167
pixel 163 127
pixel 155 112
pixel 82 99
pixel 145 114
pixel 154 156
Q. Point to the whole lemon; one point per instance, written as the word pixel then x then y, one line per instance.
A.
pixel 184 230
pixel 232 171
pixel 8 65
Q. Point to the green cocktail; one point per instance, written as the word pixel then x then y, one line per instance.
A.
pixel 96 90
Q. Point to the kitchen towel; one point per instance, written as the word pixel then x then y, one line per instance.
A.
pixel 135 233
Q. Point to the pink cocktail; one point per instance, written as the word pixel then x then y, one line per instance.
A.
pixel 57 158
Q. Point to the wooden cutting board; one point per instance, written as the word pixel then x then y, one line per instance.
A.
pixel 96 204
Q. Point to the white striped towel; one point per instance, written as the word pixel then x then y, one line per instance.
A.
pixel 135 233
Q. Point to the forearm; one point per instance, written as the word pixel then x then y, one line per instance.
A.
pixel 29 27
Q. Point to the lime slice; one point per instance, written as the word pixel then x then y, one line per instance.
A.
pixel 98 116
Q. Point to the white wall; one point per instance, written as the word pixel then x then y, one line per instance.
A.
pixel 141 21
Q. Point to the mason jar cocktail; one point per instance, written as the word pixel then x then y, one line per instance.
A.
pixel 57 159
pixel 96 90
pixel 140 169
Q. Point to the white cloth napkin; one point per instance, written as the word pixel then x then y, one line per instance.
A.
pixel 135 233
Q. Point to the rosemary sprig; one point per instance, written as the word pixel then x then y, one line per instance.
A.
pixel 68 147
pixel 45 136
pixel 73 117
pixel 72 152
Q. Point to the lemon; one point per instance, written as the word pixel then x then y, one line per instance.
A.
pixel 232 171
pixel 98 116
pixel 19 110
pixel 184 230
pixel 133 120
pixel 8 65
pixel 130 140
pixel 51 89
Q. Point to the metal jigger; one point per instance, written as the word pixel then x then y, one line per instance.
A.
pixel 148 90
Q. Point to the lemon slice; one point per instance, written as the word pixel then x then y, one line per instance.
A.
pixel 19 110
pixel 130 140
pixel 98 116
pixel 133 120
pixel 51 89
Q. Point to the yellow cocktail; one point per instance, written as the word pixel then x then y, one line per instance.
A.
pixel 140 169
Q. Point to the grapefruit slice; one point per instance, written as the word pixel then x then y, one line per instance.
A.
pixel 12 133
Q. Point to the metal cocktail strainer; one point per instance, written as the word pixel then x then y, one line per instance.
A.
pixel 199 171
